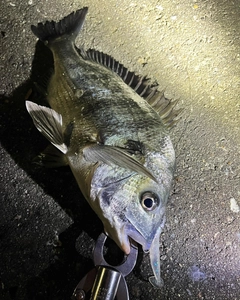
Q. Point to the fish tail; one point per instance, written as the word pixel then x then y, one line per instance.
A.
pixel 68 27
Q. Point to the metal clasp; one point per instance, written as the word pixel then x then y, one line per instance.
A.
pixel 106 282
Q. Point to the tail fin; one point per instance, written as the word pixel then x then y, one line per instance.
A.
pixel 68 26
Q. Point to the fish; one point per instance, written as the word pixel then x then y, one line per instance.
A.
pixel 111 127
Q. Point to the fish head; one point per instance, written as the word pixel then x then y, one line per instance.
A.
pixel 132 206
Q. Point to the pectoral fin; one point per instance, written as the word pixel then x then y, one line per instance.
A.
pixel 49 123
pixel 115 156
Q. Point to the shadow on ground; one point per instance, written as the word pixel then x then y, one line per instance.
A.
pixel 23 142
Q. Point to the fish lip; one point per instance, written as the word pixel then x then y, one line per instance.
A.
pixel 136 236
pixel 146 242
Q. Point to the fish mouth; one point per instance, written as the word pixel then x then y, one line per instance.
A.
pixel 125 234
pixel 150 245
pixel 131 232
pixel 124 237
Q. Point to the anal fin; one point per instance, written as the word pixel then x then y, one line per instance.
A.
pixel 51 157
pixel 42 83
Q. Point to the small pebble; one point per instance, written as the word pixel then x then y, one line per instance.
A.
pixel 234 206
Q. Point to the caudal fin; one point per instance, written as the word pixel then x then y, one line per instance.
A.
pixel 69 26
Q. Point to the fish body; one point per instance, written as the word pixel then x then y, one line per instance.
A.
pixel 115 141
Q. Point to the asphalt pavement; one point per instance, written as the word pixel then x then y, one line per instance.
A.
pixel 47 229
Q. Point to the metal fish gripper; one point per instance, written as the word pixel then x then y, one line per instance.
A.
pixel 106 282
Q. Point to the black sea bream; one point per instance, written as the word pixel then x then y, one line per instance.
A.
pixel 110 127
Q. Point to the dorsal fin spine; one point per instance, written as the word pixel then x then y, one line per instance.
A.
pixel 117 67
pixel 130 82
pixel 126 75
pixel 144 90
pixel 152 93
pixel 163 106
pixel 105 60
pixel 138 84
pixel 101 58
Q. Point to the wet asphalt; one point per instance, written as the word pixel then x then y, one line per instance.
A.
pixel 47 229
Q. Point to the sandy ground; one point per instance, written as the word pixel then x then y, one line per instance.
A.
pixel 47 230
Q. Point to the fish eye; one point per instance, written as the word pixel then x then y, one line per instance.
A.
pixel 149 201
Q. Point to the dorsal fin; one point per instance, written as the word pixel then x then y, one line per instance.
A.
pixel 137 83
pixel 163 106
